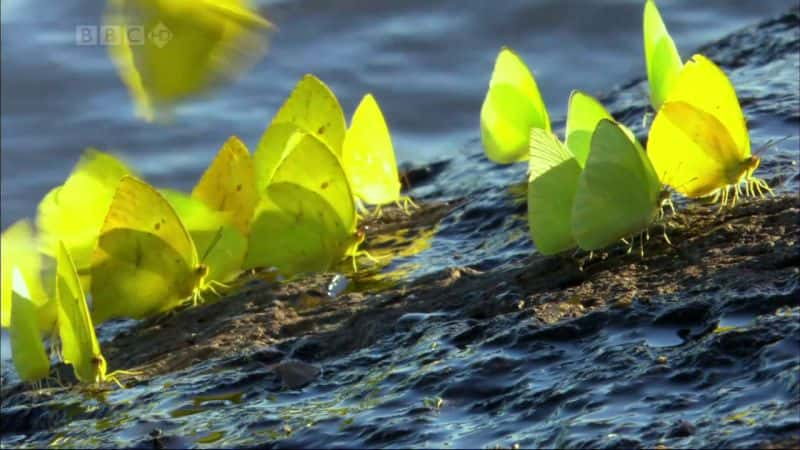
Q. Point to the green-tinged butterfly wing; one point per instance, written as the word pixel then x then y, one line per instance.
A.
pixel 79 345
pixel 309 165
pixel 275 144
pixel 228 185
pixel 74 212
pixel 27 350
pixel 145 260
pixel 368 155
pixel 312 165
pixel 583 115
pixel 313 107
pixel 220 245
pixel 618 192
pixel 512 107
pixel 170 50
pixel 552 181
pixel 661 55
pixel 19 251
pixel 296 231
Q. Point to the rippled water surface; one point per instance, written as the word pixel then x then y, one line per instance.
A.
pixel 440 380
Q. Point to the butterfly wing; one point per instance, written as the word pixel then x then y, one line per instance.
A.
pixel 145 260
pixel 661 56
pixel 174 49
pixel 324 212
pixel 368 155
pixel 219 243
pixel 552 180
pixel 691 150
pixel 79 345
pixel 228 185
pixel 512 107
pixel 313 107
pixel 74 212
pixel 19 252
pixel 583 115
pixel 704 86
pixel 27 350
pixel 295 230
pixel 618 191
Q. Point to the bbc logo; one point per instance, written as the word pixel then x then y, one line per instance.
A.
pixel 110 35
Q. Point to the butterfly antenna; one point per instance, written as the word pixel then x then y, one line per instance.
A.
pixel 770 143
pixel 214 242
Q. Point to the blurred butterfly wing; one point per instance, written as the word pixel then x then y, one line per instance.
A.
pixel 368 155
pixel 512 107
pixel 661 55
pixel 582 118
pixel 174 49
pixel 18 250
pixel 552 181
pixel 75 211
pixel 144 259
pixel 79 346
pixel 617 192
pixel 228 185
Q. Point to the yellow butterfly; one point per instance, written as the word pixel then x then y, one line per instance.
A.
pixel 311 108
pixel 79 345
pixel 699 143
pixel 170 50
pixel 368 156
pixel 306 220
pixel 512 107
pixel 228 185
pixel 27 350
pixel 145 261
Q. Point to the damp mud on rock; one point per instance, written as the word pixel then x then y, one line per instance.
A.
pixel 460 335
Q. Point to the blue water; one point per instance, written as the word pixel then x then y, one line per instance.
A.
pixel 428 63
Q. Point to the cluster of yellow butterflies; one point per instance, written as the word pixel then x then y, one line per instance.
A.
pixel 600 186
pixel 140 251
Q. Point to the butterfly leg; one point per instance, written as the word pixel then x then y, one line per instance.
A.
pixel 406 202
pixel 641 245
pixel 664 233
pixel 378 212
pixel 114 379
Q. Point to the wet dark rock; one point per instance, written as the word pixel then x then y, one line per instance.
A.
pixel 681 429
pixel 296 374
